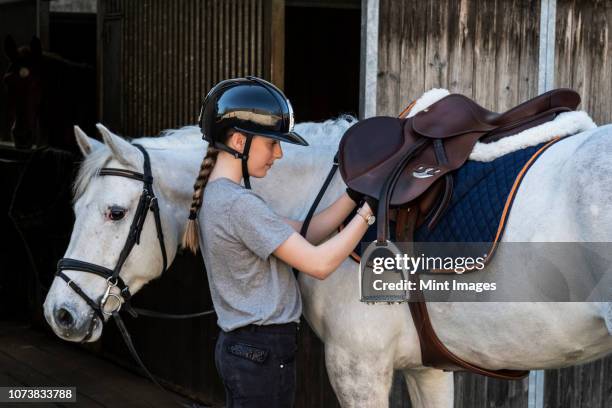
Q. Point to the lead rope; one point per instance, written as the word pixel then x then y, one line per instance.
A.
pixel 130 345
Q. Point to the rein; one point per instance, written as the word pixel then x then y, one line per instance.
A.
pixel 316 202
pixel 146 203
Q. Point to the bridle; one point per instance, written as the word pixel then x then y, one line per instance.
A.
pixel 147 202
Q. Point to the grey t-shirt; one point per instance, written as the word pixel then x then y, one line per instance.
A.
pixel 238 233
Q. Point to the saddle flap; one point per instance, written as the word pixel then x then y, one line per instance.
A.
pixel 368 150
pixel 451 116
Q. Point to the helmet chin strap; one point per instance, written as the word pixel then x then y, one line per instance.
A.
pixel 245 158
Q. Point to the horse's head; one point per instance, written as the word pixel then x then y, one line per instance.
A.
pixel 105 207
pixel 24 86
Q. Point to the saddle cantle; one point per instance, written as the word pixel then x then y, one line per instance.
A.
pixel 398 160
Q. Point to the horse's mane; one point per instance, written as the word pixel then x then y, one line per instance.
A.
pixel 189 137
pixel 325 133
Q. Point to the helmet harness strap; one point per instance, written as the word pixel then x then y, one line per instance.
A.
pixel 245 158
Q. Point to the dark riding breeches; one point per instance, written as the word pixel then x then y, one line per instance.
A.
pixel 257 365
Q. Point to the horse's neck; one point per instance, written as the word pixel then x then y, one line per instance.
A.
pixel 174 172
pixel 294 181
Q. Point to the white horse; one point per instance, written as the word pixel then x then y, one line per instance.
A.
pixel 364 344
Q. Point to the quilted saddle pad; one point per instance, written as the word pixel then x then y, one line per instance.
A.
pixel 481 192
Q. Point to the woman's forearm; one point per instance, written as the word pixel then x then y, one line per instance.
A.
pixel 321 260
pixel 336 249
pixel 325 222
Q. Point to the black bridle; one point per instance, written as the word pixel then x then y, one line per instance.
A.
pixel 147 202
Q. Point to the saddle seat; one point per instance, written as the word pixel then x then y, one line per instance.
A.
pixel 407 161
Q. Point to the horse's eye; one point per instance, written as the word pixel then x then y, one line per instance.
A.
pixel 116 213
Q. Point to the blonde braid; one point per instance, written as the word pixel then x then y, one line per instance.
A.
pixel 191 237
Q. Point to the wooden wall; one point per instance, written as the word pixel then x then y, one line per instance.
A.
pixel 583 54
pixel 587 385
pixel 486 49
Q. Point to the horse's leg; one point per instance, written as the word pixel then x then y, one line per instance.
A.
pixel 359 380
pixel 429 387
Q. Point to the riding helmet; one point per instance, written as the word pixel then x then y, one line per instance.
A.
pixel 253 107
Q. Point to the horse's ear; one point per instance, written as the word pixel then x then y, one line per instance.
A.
pixel 36 47
pixel 10 48
pixel 121 150
pixel 86 144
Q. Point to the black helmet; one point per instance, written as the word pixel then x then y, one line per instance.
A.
pixel 252 106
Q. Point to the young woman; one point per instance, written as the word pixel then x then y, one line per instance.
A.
pixel 249 250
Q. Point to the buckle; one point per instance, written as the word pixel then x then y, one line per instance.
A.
pixel 110 296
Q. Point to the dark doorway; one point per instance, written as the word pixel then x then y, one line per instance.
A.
pixel 73 36
pixel 322 46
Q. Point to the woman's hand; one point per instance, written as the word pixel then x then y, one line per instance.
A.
pixel 321 260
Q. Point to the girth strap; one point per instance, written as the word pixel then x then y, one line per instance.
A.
pixel 435 354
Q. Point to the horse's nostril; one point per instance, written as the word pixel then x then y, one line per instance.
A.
pixel 64 318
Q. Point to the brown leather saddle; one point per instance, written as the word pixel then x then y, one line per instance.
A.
pixel 407 163
pixel 399 161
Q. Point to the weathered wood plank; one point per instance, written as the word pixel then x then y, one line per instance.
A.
pixel 461 21
pixel 412 51
pixel 485 49
pixel 528 56
pixel 588 385
pixel 583 54
pixel 507 40
pixel 436 49
pixel 484 53
pixel 390 24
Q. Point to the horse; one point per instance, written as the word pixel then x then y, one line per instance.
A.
pixel 45 95
pixel 363 343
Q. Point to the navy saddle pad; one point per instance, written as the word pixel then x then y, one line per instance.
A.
pixel 479 196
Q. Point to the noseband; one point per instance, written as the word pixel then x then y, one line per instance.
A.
pixel 147 202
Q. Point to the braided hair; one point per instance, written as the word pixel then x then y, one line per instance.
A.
pixel 191 238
